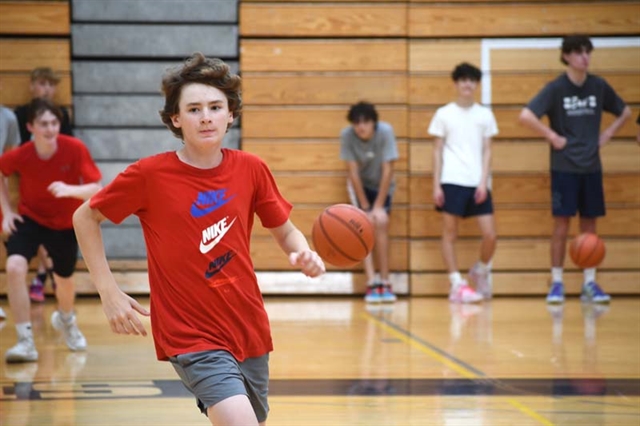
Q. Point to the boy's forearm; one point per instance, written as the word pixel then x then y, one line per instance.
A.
pixel 89 235
pixel 529 119
pixel 486 164
pixel 86 191
pixel 619 122
pixel 385 184
pixel 5 203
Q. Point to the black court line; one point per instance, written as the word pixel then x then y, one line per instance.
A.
pixel 560 387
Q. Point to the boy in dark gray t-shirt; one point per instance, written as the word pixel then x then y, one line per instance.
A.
pixel 369 148
pixel 574 103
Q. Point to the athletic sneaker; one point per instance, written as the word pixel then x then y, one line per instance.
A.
pixel 23 351
pixel 482 280
pixel 387 294
pixel 591 292
pixel 3 315
pixel 36 290
pixel 374 293
pixel 462 293
pixel 556 293
pixel 72 335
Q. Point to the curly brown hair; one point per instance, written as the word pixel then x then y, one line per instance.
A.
pixel 199 69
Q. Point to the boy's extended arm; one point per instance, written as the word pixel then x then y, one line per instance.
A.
pixel 385 183
pixel 118 307
pixel 615 126
pixel 295 245
pixel 529 119
pixel 82 192
pixel 353 174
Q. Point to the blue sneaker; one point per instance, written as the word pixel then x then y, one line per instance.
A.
pixel 387 294
pixel 374 294
pixel 591 292
pixel 556 293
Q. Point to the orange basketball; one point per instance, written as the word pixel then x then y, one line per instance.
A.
pixel 342 235
pixel 587 250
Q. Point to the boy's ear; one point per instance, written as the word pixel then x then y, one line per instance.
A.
pixel 30 127
pixel 175 119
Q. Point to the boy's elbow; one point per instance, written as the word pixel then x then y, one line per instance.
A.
pixel 524 116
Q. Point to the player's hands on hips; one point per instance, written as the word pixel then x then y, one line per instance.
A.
pixel 308 261
pixel 481 194
pixel 558 142
pixel 438 196
pixel 120 310
pixel 605 137
pixel 9 222
pixel 60 189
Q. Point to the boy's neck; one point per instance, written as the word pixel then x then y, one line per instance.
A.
pixel 200 158
pixel 465 102
pixel 577 77
pixel 44 149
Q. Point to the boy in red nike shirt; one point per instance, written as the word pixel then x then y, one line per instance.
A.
pixel 196 206
pixel 56 174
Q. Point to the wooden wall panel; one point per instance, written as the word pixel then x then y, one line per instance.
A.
pixel 15 89
pixel 321 188
pixel 310 122
pixel 524 222
pixel 523 254
pixel 310 155
pixel 530 283
pixel 441 55
pixel 530 157
pixel 323 89
pixel 319 20
pixel 509 20
pixel 29 18
pixel 26 54
pixel 323 55
pixel 533 189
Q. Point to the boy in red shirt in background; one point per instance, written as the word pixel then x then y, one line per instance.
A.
pixel 56 174
pixel 197 206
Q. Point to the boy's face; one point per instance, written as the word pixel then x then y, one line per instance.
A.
pixel 42 88
pixel 203 114
pixel 364 128
pixel 578 59
pixel 466 87
pixel 45 128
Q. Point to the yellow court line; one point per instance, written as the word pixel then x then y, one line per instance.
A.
pixel 461 370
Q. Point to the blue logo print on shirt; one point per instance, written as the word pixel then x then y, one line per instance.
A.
pixel 209 201
pixel 218 263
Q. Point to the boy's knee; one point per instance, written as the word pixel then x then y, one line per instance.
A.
pixel 17 265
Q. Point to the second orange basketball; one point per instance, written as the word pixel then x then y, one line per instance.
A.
pixel 587 250
pixel 342 235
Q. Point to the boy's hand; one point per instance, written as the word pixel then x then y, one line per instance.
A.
pixel 481 194
pixel 308 261
pixel 9 222
pixel 438 196
pixel 120 310
pixel 60 189
pixel 558 142
pixel 377 215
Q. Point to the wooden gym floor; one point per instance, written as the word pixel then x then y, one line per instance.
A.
pixel 336 362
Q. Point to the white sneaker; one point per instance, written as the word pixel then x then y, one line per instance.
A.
pixel 482 280
pixel 73 337
pixel 464 294
pixel 23 351
pixel 3 315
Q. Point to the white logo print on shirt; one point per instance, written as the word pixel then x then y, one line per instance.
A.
pixel 212 235
pixel 573 105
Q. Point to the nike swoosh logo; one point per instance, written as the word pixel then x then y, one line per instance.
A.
pixel 206 248
pixel 197 211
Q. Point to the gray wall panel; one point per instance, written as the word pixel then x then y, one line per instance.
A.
pixel 113 111
pixel 132 144
pixel 123 77
pixel 123 242
pixel 156 10
pixel 154 40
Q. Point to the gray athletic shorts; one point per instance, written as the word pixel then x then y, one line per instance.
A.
pixel 213 376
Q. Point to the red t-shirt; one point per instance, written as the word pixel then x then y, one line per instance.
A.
pixel 197 228
pixel 71 164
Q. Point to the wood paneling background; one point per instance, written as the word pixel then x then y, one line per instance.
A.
pixel 304 62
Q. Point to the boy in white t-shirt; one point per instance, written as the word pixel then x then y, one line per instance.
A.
pixel 462 180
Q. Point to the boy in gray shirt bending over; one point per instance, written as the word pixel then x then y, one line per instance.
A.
pixel 574 103
pixel 369 148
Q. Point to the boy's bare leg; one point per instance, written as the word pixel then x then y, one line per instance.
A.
pixel 381 229
pixel 559 240
pixel 449 237
pixel 17 267
pixel 65 292
pixel 233 411
pixel 369 270
pixel 488 229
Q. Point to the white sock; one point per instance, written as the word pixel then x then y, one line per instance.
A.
pixel 556 275
pixel 455 279
pixel 24 330
pixel 589 275
pixel 483 267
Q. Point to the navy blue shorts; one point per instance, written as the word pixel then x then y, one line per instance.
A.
pixel 577 192
pixel 61 246
pixel 459 201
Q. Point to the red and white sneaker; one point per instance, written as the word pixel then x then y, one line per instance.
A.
pixel 462 293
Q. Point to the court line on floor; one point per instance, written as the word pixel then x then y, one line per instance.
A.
pixel 443 357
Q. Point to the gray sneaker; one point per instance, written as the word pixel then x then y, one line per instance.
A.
pixel 73 337
pixel 23 351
